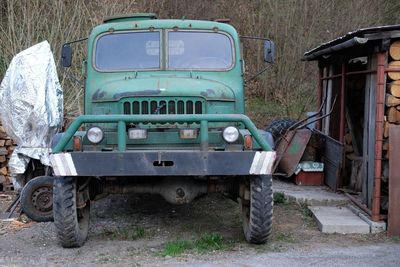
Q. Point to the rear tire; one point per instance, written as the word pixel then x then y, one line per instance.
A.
pixel 72 223
pixel 278 128
pixel 37 199
pixel 257 211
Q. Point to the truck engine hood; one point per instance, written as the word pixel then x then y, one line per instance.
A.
pixel 114 90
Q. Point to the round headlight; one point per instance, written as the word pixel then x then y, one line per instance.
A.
pixel 230 134
pixel 95 135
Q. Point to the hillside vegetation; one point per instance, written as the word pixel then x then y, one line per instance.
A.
pixel 285 90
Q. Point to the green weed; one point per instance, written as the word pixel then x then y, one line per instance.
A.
pixel 207 242
pixel 279 198
pixel 285 237
pixel 174 248
pixel 125 233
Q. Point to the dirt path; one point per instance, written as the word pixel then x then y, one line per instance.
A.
pixel 146 231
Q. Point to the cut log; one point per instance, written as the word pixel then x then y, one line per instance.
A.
pixel 3 135
pixel 386 129
pixel 3 159
pixel 3 171
pixel 392 101
pixel 393 115
pixel 394 75
pixel 3 151
pixel 348 138
pixel 351 156
pixel 385 145
pixel 394 50
pixel 8 142
pixel 2 142
pixel 348 148
pixel 394 88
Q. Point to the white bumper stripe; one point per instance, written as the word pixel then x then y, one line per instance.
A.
pixel 62 164
pixel 263 162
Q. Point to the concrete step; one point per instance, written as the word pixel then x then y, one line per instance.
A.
pixel 339 219
pixel 310 195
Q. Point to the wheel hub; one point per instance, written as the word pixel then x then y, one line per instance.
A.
pixel 42 199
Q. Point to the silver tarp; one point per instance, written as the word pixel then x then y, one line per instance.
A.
pixel 31 106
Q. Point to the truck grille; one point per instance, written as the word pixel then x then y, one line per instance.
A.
pixel 162 107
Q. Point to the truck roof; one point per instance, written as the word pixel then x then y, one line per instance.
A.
pixel 144 21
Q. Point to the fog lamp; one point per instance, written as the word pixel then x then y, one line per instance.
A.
pixel 95 135
pixel 135 133
pixel 188 133
pixel 230 134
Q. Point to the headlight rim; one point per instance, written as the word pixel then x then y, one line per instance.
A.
pixel 230 141
pixel 102 135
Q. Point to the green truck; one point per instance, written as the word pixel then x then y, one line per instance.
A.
pixel 164 114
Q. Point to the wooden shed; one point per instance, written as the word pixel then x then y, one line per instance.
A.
pixel 359 78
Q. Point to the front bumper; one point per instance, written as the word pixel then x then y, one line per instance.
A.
pixel 163 163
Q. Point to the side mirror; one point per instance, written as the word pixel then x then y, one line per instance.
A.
pixel 66 56
pixel 269 52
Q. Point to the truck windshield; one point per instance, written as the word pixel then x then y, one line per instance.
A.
pixel 199 50
pixel 128 51
pixel 141 50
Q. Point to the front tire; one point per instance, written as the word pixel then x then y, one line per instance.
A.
pixel 71 222
pixel 257 210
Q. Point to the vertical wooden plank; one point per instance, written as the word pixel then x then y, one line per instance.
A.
pixel 366 138
pixel 394 181
pixel 342 103
pixel 379 119
pixel 319 94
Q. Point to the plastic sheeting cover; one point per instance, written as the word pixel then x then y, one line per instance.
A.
pixel 31 105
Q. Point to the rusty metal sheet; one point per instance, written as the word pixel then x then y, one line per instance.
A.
pixel 394 182
pixel 333 157
pixel 291 149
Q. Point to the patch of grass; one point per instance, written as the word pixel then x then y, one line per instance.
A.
pixel 258 105
pixel 307 215
pixel 306 212
pixel 207 242
pixel 174 248
pixel 285 237
pixel 279 198
pixel 395 239
pixel 125 233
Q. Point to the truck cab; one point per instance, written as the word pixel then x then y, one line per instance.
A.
pixel 163 113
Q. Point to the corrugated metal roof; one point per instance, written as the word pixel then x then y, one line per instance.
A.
pixel 328 47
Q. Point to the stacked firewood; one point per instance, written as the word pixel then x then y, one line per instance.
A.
pixel 392 95
pixel 6 148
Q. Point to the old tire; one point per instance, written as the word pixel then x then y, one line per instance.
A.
pixel 72 224
pixel 257 211
pixel 278 128
pixel 37 199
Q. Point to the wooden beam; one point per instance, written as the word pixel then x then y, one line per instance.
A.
pixel 394 181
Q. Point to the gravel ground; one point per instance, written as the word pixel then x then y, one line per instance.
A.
pixel 134 231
